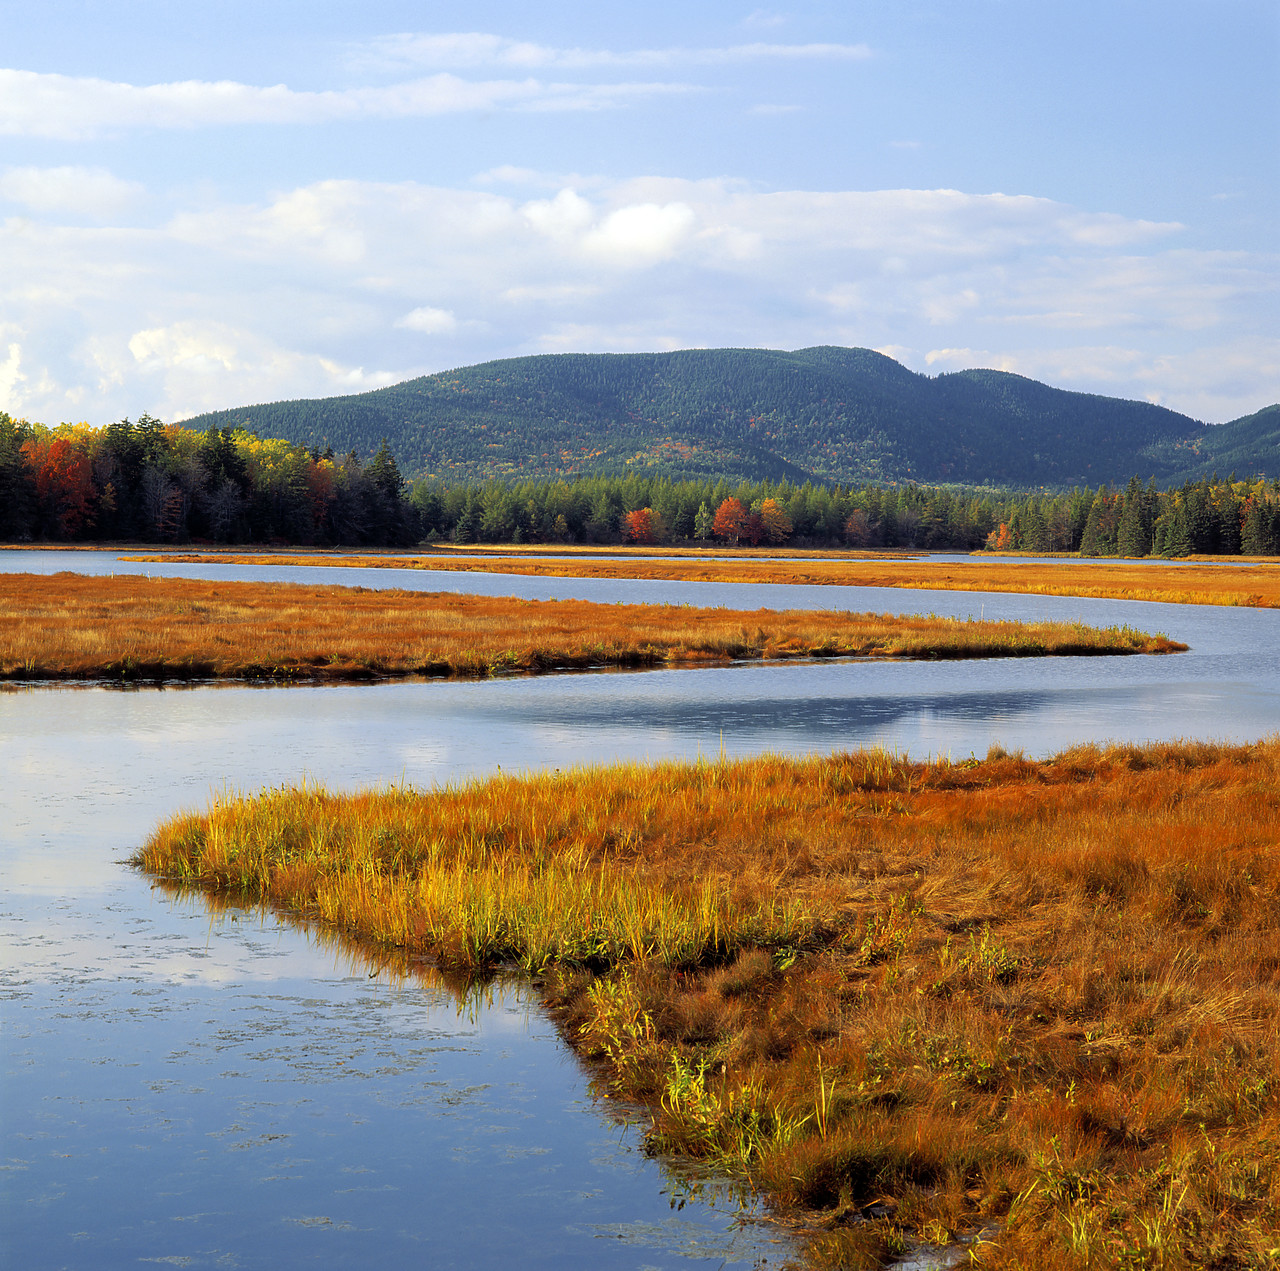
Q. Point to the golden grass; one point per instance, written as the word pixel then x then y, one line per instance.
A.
pixel 1039 1000
pixel 73 626
pixel 1199 582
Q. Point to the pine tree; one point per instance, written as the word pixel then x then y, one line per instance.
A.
pixel 1132 537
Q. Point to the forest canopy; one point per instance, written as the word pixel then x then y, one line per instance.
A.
pixel 163 483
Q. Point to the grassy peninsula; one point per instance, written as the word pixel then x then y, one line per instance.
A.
pixel 1195 583
pixel 1036 1003
pixel 68 626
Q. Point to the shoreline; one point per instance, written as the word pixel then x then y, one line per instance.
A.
pixel 905 1001
pixel 130 628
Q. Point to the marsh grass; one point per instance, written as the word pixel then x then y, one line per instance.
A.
pixel 1037 1000
pixel 1254 585
pixel 75 627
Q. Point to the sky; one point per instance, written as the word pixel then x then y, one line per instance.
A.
pixel 209 205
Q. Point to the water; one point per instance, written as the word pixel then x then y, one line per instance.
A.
pixel 1227 687
pixel 194 1088
pixel 222 1090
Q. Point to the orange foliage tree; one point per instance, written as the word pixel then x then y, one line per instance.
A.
pixel 731 520
pixel 775 521
pixel 638 526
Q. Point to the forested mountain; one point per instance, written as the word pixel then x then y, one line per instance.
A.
pixel 1250 444
pixel 825 414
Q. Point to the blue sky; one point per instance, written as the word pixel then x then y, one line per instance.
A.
pixel 205 206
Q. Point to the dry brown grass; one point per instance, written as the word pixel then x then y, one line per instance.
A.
pixel 1039 1000
pixel 1199 582
pixel 72 626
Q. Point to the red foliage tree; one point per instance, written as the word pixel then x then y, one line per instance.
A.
pixel 731 520
pixel 638 526
pixel 64 483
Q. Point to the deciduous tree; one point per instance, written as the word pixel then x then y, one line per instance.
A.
pixel 731 520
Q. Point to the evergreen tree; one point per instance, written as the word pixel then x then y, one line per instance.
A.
pixel 1132 536
pixel 1099 537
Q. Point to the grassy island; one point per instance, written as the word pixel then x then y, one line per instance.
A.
pixel 1035 1003
pixel 68 626
pixel 1255 585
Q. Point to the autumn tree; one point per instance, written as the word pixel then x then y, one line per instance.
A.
pixel 857 529
pixel 637 526
pixel 774 521
pixel 730 521
pixel 64 484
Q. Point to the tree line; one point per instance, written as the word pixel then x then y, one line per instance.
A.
pixel 157 482
pixel 1212 516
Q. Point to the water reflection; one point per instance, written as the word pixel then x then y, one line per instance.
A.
pixel 204 1085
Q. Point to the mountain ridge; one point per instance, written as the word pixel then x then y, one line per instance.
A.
pixel 827 414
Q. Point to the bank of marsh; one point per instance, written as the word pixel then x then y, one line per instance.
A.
pixel 70 626
pixel 1036 1000
pixel 1251 582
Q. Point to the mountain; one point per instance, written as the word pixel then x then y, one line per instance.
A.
pixel 1245 446
pixel 827 414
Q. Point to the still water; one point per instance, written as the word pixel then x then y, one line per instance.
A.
pixel 195 1089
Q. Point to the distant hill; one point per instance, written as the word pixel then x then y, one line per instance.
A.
pixel 1245 446
pixel 827 414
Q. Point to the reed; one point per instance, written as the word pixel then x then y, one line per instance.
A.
pixel 1038 1001
pixel 1198 583
pixel 69 626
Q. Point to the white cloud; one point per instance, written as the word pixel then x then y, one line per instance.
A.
pixel 11 377
pixel 193 366
pixel 562 217
pixel 476 48
pixel 429 321
pixel 321 289
pixel 641 235
pixel 89 191
pixel 70 108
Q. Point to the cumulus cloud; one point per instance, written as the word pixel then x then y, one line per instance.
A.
pixel 334 285
pixel 92 192
pixel 429 321
pixel 75 108
pixel 11 376
pixel 194 366
pixel 641 235
pixel 468 49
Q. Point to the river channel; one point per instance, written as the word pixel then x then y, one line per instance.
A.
pixel 186 1087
